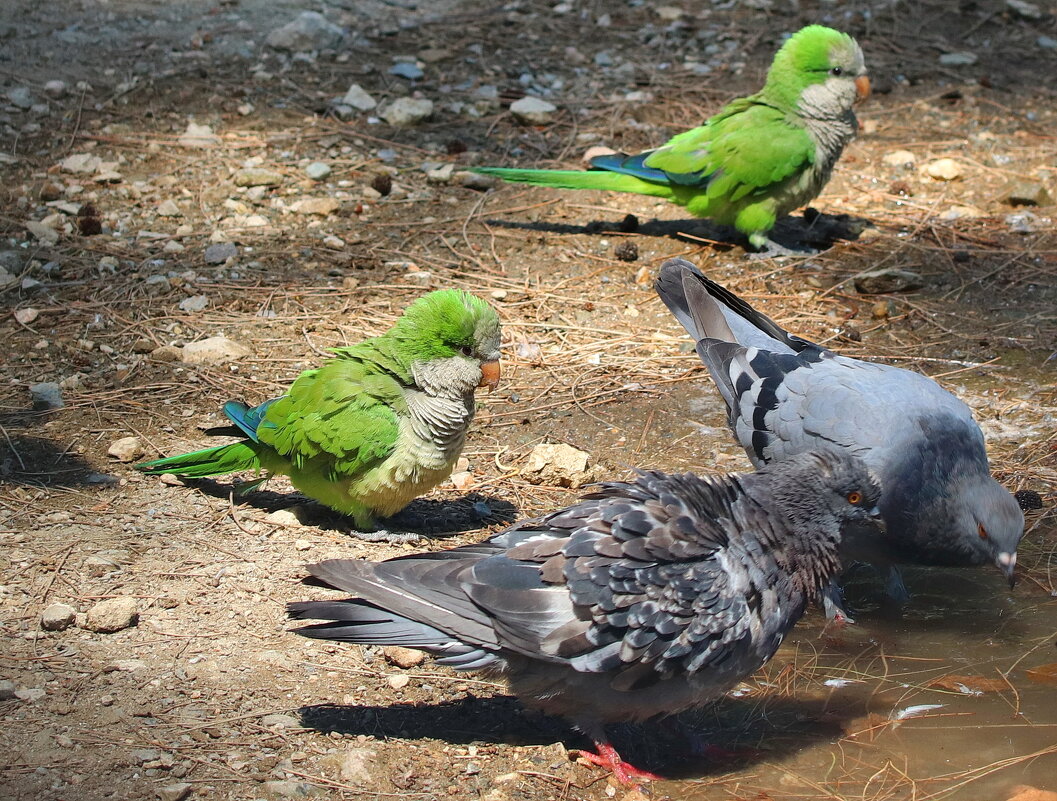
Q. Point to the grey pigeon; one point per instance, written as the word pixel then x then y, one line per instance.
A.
pixel 786 395
pixel 644 599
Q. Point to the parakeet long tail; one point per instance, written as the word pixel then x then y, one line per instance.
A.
pixel 579 179
pixel 209 462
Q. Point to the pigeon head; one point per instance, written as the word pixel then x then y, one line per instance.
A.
pixel 820 72
pixel 450 341
pixel 821 493
pixel 989 521
pixel 825 482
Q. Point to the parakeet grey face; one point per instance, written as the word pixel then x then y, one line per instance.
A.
pixel 818 73
pixel 450 342
pixel 844 83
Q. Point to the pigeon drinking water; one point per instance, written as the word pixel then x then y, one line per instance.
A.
pixel 786 395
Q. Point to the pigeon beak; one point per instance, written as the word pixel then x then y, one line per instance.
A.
pixel 490 374
pixel 1007 563
pixel 875 515
pixel 862 87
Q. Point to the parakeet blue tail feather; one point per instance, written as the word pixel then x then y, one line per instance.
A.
pixel 247 419
pixel 636 166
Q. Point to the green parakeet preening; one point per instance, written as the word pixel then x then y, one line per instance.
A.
pixel 760 157
pixel 377 425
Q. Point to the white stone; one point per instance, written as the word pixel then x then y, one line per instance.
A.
pixel 357 98
pixel 126 449
pixel 533 110
pixel 310 30
pixel 408 111
pixel 944 170
pixel 214 350
pixel 898 158
pixel 168 208
pixel 198 136
pixel 113 614
pixel 57 617
pixel 317 170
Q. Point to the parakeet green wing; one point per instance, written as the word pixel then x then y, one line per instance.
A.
pixel 337 421
pixel 749 147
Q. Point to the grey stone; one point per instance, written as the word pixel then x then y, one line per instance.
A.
pixel 156 284
pixel 281 721
pixel 198 136
pixel 113 614
pixel 7 690
pixel 408 111
pixel 57 617
pixel 317 170
pixel 406 69
pixel 30 694
pixel 356 766
pixel 258 176
pixel 1024 9
pixel 877 282
pixel 174 792
pixel 46 395
pixel 6 279
pixel 533 110
pixel 214 350
pixel 288 789
pixel 220 252
pixel 310 30
pixel 168 208
pixel 1023 222
pixel 1028 193
pixel 473 180
pixel 194 303
pixel 21 97
pixel 963 59
pixel 358 98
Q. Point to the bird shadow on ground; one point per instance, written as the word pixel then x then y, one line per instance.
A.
pixel 423 516
pixel 734 732
pixel 813 230
pixel 40 462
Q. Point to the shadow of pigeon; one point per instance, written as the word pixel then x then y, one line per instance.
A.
pixel 735 732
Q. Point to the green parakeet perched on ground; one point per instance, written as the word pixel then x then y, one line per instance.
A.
pixel 760 157
pixel 377 425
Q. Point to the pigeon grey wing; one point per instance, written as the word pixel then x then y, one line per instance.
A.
pixel 425 588
pixel 707 310
pixel 644 590
pixel 866 408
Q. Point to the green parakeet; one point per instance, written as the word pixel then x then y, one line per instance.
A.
pixel 377 425
pixel 760 157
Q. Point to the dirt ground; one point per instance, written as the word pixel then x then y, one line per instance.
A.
pixel 209 695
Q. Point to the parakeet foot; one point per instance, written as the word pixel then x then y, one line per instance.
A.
pixel 383 535
pixel 608 758
pixel 772 250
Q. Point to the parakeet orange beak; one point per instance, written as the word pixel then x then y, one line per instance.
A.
pixel 862 87
pixel 490 374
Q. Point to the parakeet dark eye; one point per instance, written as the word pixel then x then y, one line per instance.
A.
pixel 466 350
pixel 981 531
pixel 854 497
pixel 836 71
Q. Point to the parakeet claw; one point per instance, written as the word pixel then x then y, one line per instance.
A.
pixel 382 535
pixel 772 250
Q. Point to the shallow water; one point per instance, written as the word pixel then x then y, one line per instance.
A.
pixel 932 702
